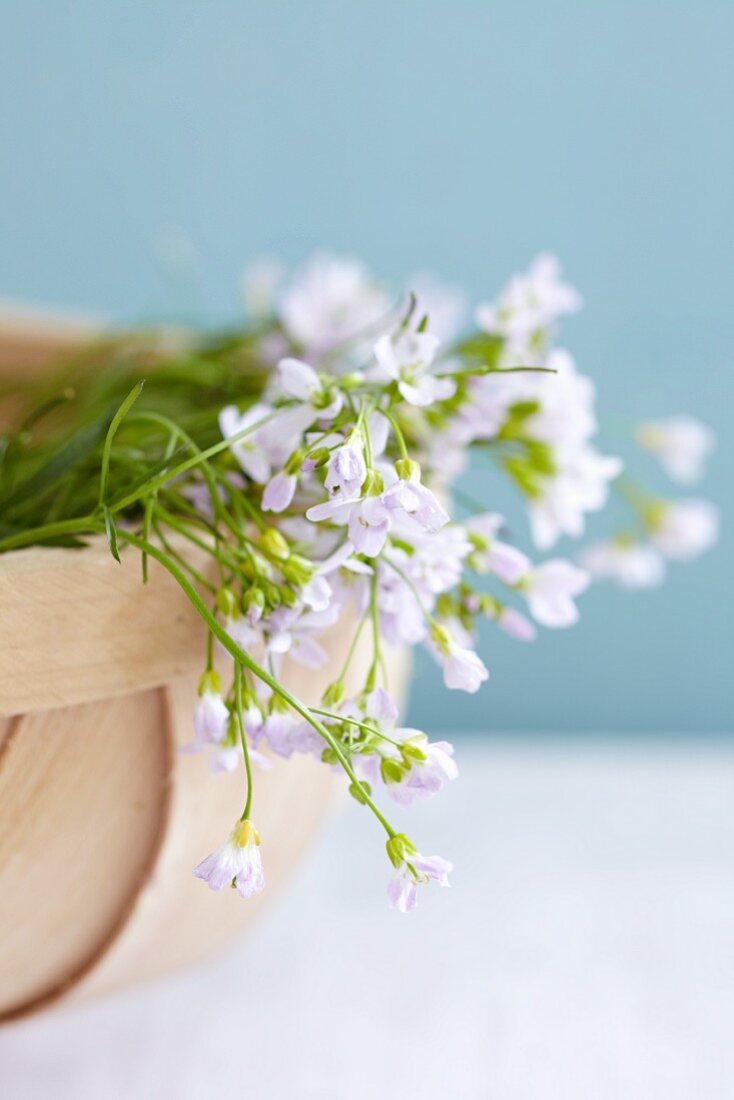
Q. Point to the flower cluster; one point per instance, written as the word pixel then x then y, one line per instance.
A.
pixel 340 487
pixel 298 474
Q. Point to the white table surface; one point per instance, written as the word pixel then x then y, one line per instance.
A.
pixel 586 951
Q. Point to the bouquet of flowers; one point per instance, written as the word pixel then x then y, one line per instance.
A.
pixel 307 459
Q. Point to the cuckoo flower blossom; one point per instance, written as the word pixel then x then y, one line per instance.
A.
pixel 406 359
pixel 682 445
pixel 413 870
pixel 550 590
pixel 237 862
pixel 683 529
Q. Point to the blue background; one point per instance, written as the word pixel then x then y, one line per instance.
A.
pixel 459 137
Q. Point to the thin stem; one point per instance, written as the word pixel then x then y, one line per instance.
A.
pixel 84 525
pixel 243 738
pixel 398 432
pixel 245 659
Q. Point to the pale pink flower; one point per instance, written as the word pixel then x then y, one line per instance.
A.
pixel 632 564
pixel 550 590
pixel 413 870
pixel 407 359
pixel 682 445
pixel 683 529
pixel 211 718
pixel 279 492
pixel 238 860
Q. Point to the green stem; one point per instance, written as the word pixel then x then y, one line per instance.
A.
pixel 243 738
pixel 245 659
pixel 84 525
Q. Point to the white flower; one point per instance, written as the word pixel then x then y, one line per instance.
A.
pixel 369 524
pixel 444 305
pixel 517 625
pixel 632 564
pixel 580 485
pixel 211 718
pixel 432 764
pixel 330 301
pixel 681 443
pixel 417 502
pixel 463 670
pixel 550 590
pixel 492 555
pixel 413 870
pixel 238 860
pixel 279 492
pixel 407 359
pixel 251 451
pixel 285 734
pixel 530 303
pixel 346 469
pixel 298 379
pixel 684 529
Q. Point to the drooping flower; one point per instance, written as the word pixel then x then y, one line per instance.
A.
pixel 516 625
pixel 682 444
pixel 493 555
pixel 550 590
pixel 279 492
pixel 463 670
pixel 346 470
pixel 427 767
pixel 413 870
pixel 211 718
pixel 683 529
pixel 251 451
pixel 580 485
pixel 236 862
pixel 632 564
pixel 369 524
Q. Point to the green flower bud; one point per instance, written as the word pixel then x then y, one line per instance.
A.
pixel 297 570
pixel 275 543
pixel 407 469
pixel 254 600
pixel 400 849
pixel 392 771
pixel 333 694
pixel 359 790
pixel 319 457
pixel 373 483
pixel 227 603
pixel 412 751
pixel 210 682
pixel 293 465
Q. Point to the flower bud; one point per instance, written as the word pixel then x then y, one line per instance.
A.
pixel 333 694
pixel 359 790
pixel 412 751
pixel 210 682
pixel 392 771
pixel 253 603
pixel 227 603
pixel 318 458
pixel 297 570
pixel 373 483
pixel 400 849
pixel 274 543
pixel 407 469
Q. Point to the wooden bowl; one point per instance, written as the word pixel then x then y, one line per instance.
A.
pixel 102 819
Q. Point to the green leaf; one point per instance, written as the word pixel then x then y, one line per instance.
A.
pixel 111 531
pixel 78 447
pixel 114 425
